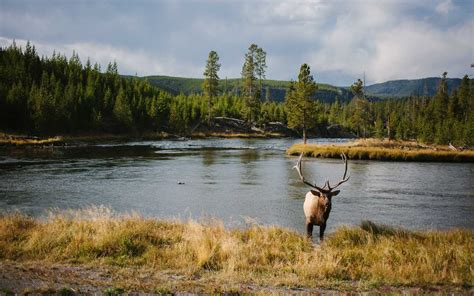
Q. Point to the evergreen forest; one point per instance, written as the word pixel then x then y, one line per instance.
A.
pixel 56 95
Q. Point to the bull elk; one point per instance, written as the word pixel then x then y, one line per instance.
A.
pixel 317 204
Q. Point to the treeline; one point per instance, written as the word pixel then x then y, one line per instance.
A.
pixel 60 95
pixel 51 95
pixel 441 119
pixel 57 95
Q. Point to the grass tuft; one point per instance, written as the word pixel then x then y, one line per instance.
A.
pixel 6 292
pixel 372 254
pixel 383 230
pixel 112 291
pixel 65 291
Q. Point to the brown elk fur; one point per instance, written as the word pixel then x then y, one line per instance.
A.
pixel 317 204
pixel 317 207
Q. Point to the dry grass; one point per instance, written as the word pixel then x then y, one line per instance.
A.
pixel 384 150
pixel 20 140
pixel 372 255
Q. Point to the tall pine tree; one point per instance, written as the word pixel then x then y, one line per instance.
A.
pixel 299 103
pixel 211 81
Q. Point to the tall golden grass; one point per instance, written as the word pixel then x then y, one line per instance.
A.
pixel 372 255
pixel 384 150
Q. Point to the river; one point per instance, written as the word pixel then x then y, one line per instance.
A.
pixel 235 180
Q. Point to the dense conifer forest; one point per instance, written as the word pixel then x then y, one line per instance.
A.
pixel 56 95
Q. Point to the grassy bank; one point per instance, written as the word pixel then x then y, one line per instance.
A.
pixel 23 140
pixel 209 255
pixel 384 150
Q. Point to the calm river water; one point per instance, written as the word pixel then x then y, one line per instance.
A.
pixel 233 179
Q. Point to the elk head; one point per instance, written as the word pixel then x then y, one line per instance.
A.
pixel 317 204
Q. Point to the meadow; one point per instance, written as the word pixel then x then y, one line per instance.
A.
pixel 205 255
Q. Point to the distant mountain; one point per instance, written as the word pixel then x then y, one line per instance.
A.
pixel 277 88
pixel 325 93
pixel 413 87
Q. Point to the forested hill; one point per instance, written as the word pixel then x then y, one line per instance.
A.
pixel 276 88
pixel 414 87
pixel 325 93
pixel 56 95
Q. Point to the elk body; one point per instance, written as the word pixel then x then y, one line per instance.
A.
pixel 317 204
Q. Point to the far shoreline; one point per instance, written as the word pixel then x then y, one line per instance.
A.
pixel 22 140
pixel 361 149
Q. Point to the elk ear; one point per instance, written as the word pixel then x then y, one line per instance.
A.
pixel 315 193
pixel 334 193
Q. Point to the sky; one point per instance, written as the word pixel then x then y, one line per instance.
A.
pixel 340 40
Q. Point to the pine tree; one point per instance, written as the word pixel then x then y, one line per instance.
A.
pixel 464 97
pixel 359 110
pixel 248 79
pixel 260 68
pixel 15 106
pixel 253 69
pixel 440 104
pixel 122 110
pixel 299 103
pixel 441 98
pixel 379 131
pixel 211 81
pixel 357 89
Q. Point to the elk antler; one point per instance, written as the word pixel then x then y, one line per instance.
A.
pixel 298 168
pixel 344 179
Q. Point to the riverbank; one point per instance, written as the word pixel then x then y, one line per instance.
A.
pixel 15 140
pixel 24 140
pixel 372 149
pixel 12 140
pixel 219 127
pixel 94 250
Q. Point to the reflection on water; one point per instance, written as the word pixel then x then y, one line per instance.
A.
pixel 231 179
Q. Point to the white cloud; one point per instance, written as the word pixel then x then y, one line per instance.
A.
pixel 299 11
pixel 381 42
pixel 350 44
pixel 387 39
pixel 416 49
pixel 444 7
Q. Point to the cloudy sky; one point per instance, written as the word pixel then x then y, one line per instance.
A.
pixel 338 39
